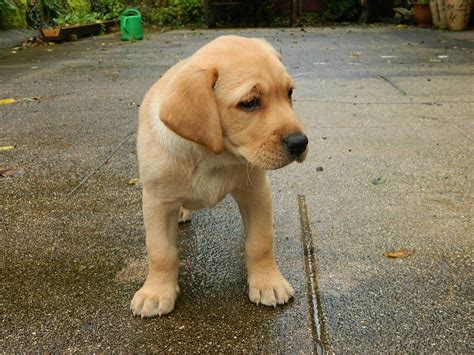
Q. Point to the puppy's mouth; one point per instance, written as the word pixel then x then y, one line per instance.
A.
pixel 302 157
pixel 278 161
pixel 267 156
pixel 272 159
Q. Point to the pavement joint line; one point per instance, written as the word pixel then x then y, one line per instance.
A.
pixel 98 167
pixel 430 103
pixel 318 322
pixel 393 84
pixel 458 129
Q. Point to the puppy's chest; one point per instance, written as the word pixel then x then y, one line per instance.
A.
pixel 210 187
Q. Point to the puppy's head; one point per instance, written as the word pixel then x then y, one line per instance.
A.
pixel 234 94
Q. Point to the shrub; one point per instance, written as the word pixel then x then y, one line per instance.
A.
pixel 110 9
pixel 13 14
pixel 342 10
pixel 178 13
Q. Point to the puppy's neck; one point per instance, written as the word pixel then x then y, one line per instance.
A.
pixel 186 150
pixel 176 146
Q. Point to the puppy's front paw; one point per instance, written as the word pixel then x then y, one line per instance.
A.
pixel 269 290
pixel 151 301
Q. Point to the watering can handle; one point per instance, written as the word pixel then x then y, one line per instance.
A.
pixel 124 16
pixel 124 25
pixel 130 12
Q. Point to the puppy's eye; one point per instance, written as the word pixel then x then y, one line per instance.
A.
pixel 290 92
pixel 250 105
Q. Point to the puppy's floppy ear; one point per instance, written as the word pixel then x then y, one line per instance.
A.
pixel 189 108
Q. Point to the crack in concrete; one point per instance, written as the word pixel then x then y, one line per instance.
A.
pixel 439 103
pixel 318 322
pixel 393 84
pixel 98 167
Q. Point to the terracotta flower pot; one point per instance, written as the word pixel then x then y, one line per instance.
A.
pixel 422 15
pixel 458 12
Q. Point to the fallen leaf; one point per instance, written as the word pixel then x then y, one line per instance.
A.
pixel 7 101
pixel 378 180
pixel 134 181
pixel 6 148
pixel 34 98
pixel 11 173
pixel 399 253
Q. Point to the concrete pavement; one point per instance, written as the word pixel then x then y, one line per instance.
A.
pixel 394 105
pixel 13 38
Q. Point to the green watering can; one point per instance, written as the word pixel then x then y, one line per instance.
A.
pixel 131 25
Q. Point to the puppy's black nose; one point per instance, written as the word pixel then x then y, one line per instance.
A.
pixel 295 143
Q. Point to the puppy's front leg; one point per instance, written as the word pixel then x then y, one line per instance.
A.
pixel 266 283
pixel 158 294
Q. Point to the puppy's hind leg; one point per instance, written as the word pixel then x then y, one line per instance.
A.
pixel 184 215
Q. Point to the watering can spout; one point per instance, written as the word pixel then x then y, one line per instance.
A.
pixel 131 25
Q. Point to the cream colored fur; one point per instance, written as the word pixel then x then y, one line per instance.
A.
pixel 196 145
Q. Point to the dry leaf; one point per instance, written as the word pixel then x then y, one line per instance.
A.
pixel 6 148
pixel 378 180
pixel 7 101
pixel 11 173
pixel 399 253
pixel 134 181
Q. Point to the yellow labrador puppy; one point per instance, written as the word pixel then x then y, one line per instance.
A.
pixel 212 125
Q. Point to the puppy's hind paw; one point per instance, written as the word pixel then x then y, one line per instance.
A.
pixel 184 215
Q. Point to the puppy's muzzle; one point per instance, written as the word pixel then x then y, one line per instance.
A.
pixel 295 144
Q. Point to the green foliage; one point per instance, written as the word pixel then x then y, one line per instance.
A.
pixel 13 14
pixel 262 13
pixel 6 5
pixel 81 6
pixel 79 18
pixel 110 9
pixel 102 10
pixel 53 8
pixel 178 13
pixel 310 19
pixel 342 10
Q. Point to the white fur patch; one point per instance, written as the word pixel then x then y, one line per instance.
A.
pixel 174 145
pixel 211 176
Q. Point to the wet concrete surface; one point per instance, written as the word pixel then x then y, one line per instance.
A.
pixel 14 38
pixel 377 102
